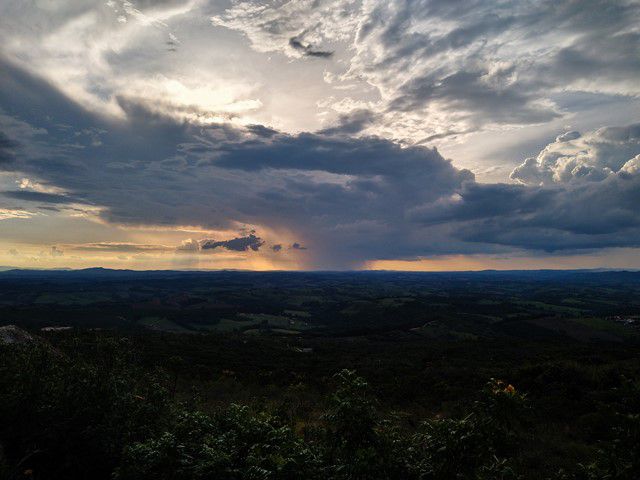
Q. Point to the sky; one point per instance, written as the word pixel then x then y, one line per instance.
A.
pixel 320 134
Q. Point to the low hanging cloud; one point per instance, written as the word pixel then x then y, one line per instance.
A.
pixel 239 244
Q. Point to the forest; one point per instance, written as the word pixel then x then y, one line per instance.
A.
pixel 475 376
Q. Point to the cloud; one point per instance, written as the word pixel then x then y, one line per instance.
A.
pixel 347 196
pixel 426 70
pixel 294 28
pixel 118 247
pixel 239 244
pixel 189 245
pixel 351 123
pixel 297 246
pixel 8 213
pixel 277 247
pixel 580 192
pixel 440 68
pixel 42 197
pixel 579 158
pixel 307 49
pixel 7 147
pixel 56 252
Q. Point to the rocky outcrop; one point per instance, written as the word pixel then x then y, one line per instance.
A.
pixel 11 334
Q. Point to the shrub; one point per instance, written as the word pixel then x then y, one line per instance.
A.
pixel 64 416
pixel 357 444
pixel 233 444
pixel 93 412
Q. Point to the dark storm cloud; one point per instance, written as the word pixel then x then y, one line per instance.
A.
pixel 33 196
pixel 7 149
pixel 27 96
pixel 369 156
pixel 347 199
pixel 569 217
pixel 262 131
pixel 239 244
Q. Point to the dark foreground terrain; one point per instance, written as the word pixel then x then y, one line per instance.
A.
pixel 238 375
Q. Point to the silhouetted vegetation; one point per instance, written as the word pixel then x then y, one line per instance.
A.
pixel 389 375
pixel 81 404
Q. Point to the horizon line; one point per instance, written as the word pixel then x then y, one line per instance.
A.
pixel 7 269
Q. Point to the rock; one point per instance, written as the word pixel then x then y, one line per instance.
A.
pixel 11 334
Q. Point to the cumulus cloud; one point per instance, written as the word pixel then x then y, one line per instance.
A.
pixel 578 158
pixel 581 192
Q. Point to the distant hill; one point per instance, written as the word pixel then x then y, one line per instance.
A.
pixel 99 272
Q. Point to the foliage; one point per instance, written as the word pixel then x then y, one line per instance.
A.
pixel 468 447
pixel 68 417
pixel 357 444
pixel 620 458
pixel 92 406
pixel 233 444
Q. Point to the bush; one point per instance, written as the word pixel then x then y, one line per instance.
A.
pixel 233 444
pixel 356 443
pixel 64 416
pixel 92 411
